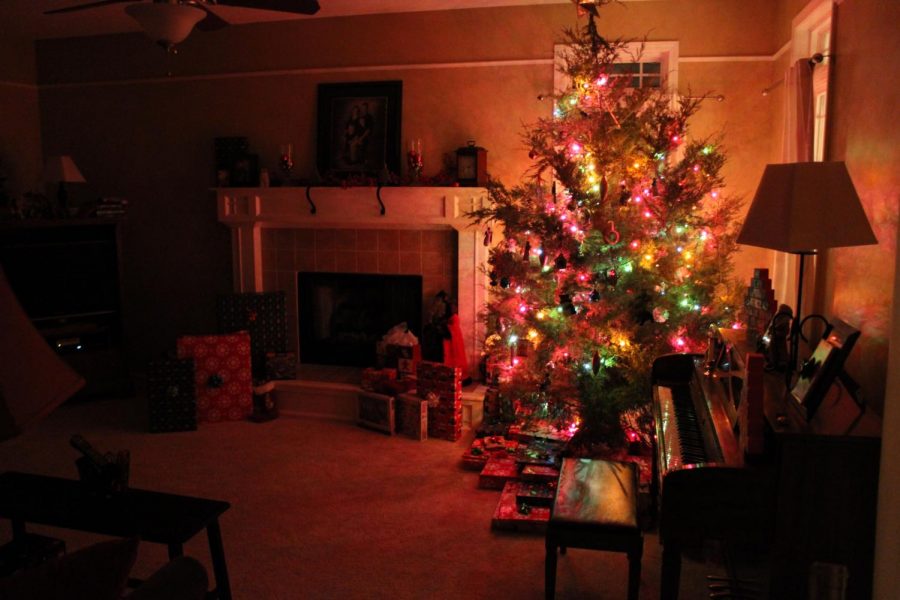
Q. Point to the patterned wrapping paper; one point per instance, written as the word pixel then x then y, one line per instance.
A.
pixel 172 404
pixel 222 375
pixel 263 315
pixel 442 386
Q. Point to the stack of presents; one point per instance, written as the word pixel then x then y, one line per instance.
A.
pixel 416 398
pixel 226 376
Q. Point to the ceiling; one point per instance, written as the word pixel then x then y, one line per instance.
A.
pixel 31 23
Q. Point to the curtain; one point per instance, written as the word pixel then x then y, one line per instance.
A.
pixel 797 146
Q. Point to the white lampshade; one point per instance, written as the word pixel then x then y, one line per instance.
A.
pixel 164 23
pixel 62 169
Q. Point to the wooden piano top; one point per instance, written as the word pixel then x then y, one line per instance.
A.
pixel 837 415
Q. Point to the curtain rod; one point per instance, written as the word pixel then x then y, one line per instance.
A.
pixel 812 61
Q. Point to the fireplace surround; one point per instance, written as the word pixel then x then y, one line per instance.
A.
pixel 278 232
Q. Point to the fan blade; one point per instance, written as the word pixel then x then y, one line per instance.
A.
pixel 212 21
pixel 303 7
pixel 85 6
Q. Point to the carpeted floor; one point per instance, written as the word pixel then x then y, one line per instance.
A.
pixel 324 509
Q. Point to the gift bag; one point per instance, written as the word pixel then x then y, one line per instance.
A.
pixel 222 378
pixel 172 404
pixel 263 315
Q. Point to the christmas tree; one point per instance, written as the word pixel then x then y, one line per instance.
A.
pixel 615 250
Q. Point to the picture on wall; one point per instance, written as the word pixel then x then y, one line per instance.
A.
pixel 359 128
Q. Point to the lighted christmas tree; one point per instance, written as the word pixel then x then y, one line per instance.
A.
pixel 616 250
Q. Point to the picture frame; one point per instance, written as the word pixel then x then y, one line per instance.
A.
pixel 819 371
pixel 359 128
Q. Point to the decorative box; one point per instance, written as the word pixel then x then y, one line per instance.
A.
pixel 376 411
pixel 172 404
pixel 374 380
pixel 280 365
pixel 263 315
pixel 411 415
pixel 222 377
pixel 497 472
pixel 513 515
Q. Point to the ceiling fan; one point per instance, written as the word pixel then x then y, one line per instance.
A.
pixel 169 22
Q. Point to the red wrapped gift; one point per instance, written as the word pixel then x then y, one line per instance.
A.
pixel 223 381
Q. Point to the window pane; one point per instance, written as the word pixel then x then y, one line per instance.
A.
pixel 652 67
pixel 620 68
pixel 652 81
pixel 635 82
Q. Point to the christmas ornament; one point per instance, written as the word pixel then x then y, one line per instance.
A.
pixel 611 235
pixel 612 277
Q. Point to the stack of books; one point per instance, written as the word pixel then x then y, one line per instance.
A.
pixel 111 207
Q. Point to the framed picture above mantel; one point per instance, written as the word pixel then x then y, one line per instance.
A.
pixel 359 128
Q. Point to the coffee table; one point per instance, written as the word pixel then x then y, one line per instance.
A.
pixel 154 517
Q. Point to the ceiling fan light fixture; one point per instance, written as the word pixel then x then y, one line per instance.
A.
pixel 165 23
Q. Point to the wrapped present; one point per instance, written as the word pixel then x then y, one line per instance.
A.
pixel 539 474
pixel 399 386
pixel 411 416
pixel 441 385
pixel 477 455
pixel 263 315
pixel 222 377
pixel 539 452
pixel 514 515
pixel 536 494
pixel 281 365
pixel 172 404
pixel 374 380
pixel 497 472
pixel 376 411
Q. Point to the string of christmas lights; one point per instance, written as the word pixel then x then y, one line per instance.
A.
pixel 615 251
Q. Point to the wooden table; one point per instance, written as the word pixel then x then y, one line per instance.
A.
pixel 155 517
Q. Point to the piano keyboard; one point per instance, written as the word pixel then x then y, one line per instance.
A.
pixel 681 429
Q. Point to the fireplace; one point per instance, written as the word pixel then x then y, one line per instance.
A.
pixel 343 315
pixel 278 232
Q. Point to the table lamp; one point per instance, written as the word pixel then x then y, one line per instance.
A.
pixel 802 208
pixel 62 170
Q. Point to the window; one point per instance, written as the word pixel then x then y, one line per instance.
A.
pixel 647 64
pixel 642 74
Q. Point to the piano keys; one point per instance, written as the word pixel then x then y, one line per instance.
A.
pixel 703 486
pixel 810 496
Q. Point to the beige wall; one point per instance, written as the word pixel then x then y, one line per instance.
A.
pixel 150 139
pixel 862 281
pixel 20 137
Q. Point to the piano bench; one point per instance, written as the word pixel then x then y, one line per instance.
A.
pixel 596 509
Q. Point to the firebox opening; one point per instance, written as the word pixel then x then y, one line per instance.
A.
pixel 343 315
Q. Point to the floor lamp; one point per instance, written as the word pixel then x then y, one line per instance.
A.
pixel 802 208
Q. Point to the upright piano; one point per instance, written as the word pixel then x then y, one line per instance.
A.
pixel 809 499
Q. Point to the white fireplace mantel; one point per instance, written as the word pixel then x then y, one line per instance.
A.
pixel 248 210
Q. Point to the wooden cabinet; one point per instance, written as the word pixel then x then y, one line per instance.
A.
pixel 66 274
pixel 826 489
